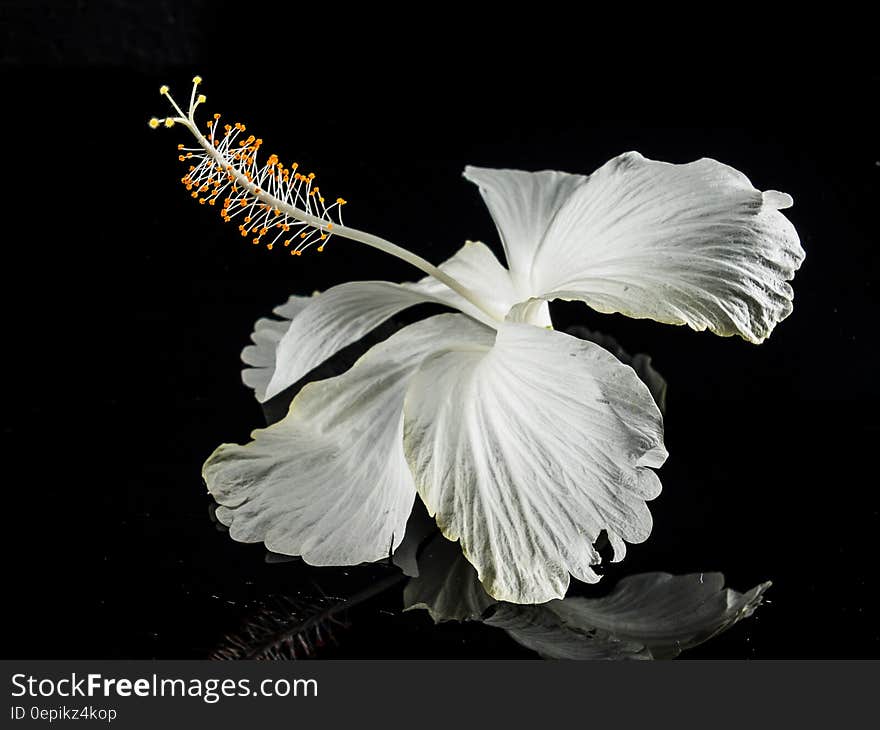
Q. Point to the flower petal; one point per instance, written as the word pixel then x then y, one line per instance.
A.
pixel 345 313
pixel 475 266
pixel 329 482
pixel 691 244
pixel 522 205
pixel 266 336
pixel 332 320
pixel 641 362
pixel 527 450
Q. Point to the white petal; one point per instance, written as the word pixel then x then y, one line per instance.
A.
pixel 641 362
pixel 345 313
pixel 691 244
pixel 475 266
pixel 522 205
pixel 329 482
pixel 266 336
pixel 331 321
pixel 527 449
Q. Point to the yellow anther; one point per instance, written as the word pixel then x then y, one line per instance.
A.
pixel 197 80
pixel 169 122
pixel 201 99
pixel 163 90
pixel 321 247
pixel 154 123
pixel 341 201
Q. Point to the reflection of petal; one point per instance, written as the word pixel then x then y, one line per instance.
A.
pixel 641 362
pixel 691 244
pixel 447 586
pixel 646 616
pixel 665 613
pixel 329 481
pixel 418 529
pixel 540 629
pixel 527 450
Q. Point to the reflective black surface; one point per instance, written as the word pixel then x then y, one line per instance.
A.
pixel 126 307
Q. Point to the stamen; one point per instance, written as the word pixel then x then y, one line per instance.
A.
pixel 273 199
pixel 266 193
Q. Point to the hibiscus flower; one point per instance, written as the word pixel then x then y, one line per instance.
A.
pixel 524 443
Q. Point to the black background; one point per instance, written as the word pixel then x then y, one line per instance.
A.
pixel 126 305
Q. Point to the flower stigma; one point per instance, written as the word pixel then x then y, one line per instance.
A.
pixel 271 201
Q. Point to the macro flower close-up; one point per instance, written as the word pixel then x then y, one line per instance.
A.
pixel 524 443
pixel 455 360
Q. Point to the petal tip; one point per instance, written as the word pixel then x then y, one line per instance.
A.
pixel 776 200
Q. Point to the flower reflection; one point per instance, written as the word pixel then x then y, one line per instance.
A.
pixel 645 616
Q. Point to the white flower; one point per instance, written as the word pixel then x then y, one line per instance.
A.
pixel 524 443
